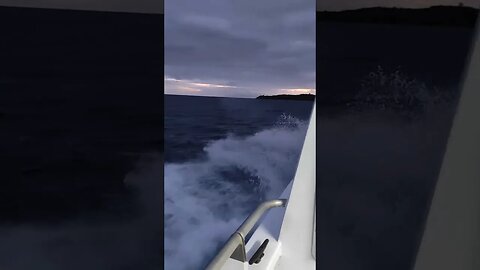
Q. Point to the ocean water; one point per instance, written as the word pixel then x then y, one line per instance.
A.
pixel 73 191
pixel 223 156
pixel 376 174
pixel 378 159
pixel 81 114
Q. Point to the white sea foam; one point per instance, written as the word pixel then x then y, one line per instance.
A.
pixel 205 200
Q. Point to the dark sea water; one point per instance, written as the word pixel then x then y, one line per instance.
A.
pixel 348 52
pixel 81 119
pixel 70 195
pixel 377 165
pixel 223 156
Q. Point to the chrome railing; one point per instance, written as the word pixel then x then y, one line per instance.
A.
pixel 235 246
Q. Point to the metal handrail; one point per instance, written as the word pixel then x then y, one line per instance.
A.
pixel 235 246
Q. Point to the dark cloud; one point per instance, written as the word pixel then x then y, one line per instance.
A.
pixel 256 47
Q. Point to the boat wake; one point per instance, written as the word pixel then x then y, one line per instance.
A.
pixel 206 200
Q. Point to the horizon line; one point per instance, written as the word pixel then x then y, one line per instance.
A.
pixel 119 11
pixel 187 95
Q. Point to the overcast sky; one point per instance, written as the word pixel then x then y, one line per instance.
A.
pixel 239 48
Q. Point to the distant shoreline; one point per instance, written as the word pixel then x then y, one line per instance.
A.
pixel 453 16
pixel 304 97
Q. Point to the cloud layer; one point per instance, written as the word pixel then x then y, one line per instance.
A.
pixel 250 47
